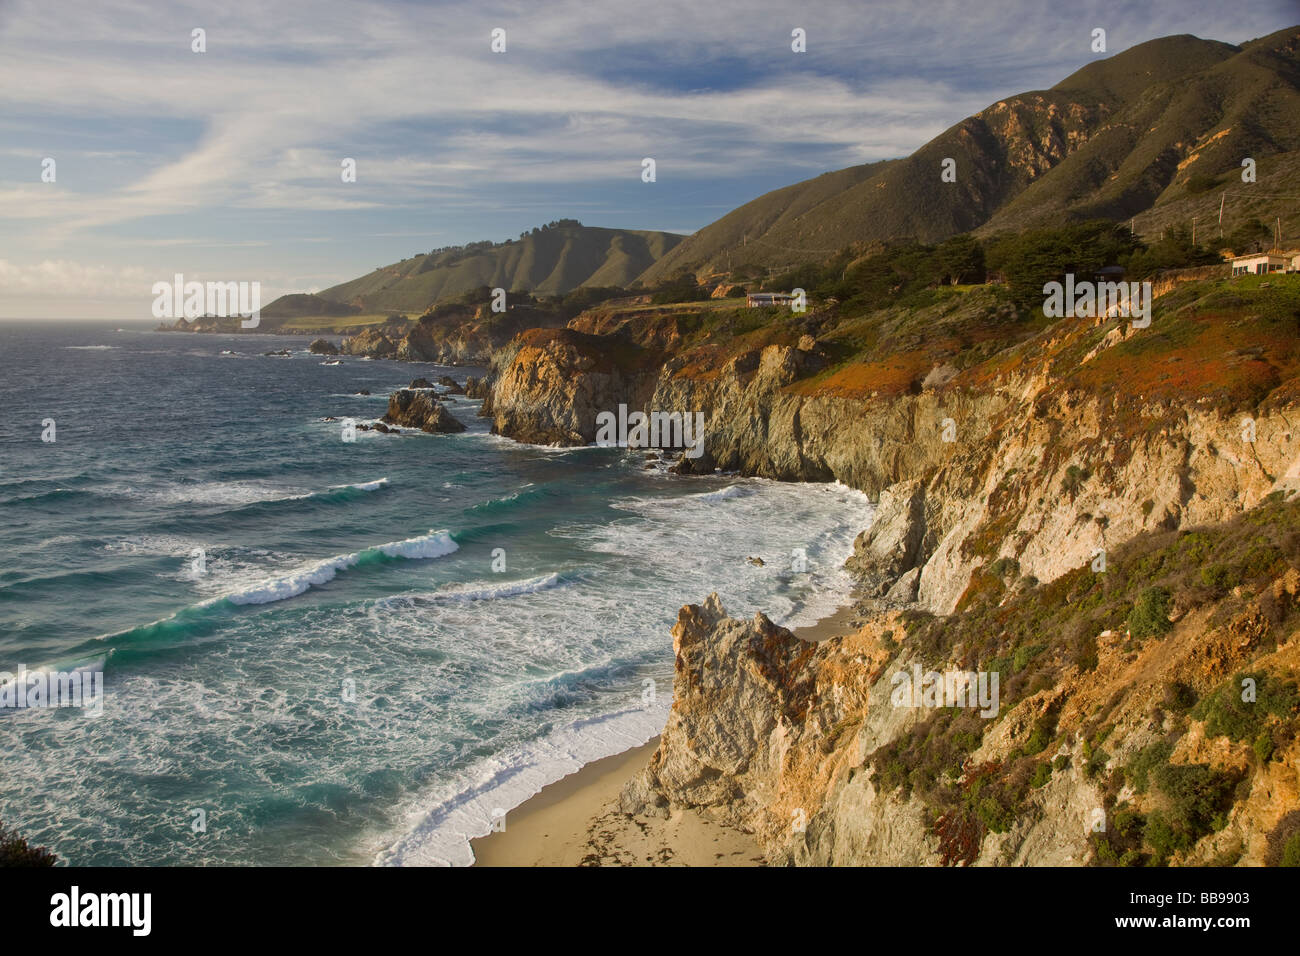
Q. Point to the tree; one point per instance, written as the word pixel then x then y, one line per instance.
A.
pixel 961 259
pixel 1250 236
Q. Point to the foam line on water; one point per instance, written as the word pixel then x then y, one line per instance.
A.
pixel 440 836
pixel 477 591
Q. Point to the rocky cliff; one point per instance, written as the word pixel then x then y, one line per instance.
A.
pixel 450 335
pixel 1041 453
pixel 1009 465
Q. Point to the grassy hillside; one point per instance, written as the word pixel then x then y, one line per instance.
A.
pixel 551 261
pixel 1157 132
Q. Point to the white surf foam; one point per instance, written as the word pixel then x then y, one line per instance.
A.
pixel 364 485
pixel 477 591
pixel 440 835
pixel 435 544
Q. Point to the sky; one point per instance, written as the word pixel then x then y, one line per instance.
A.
pixel 226 165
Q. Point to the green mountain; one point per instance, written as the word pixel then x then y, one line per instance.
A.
pixel 550 260
pixel 1156 132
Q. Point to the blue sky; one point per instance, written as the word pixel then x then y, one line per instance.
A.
pixel 224 165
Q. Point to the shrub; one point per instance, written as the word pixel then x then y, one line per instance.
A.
pixel 1073 480
pixel 1004 567
pixel 1044 731
pixel 1218 578
pixel 1227 715
pixel 1263 747
pixel 1020 660
pixel 1042 774
pixel 1085 653
pixel 1150 614
pixel 1147 759
pixel 1199 797
pixel 1282 847
pixel 1291 852
pixel 15 851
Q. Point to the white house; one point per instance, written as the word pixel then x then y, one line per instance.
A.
pixel 1261 263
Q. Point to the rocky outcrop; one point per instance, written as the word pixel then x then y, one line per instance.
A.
pixel 420 408
pixel 784 739
pixel 550 384
pixel 323 347
pixel 372 343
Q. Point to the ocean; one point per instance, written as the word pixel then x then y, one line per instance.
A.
pixel 318 651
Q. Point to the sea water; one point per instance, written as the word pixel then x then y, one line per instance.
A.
pixel 320 651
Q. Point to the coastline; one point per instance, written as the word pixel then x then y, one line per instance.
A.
pixel 576 820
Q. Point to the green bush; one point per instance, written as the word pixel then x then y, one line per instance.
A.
pixel 15 851
pixel 1150 614
pixel 1042 774
pixel 1199 796
pixel 1291 852
pixel 1227 715
pixel 1218 578
pixel 1020 660
pixel 1263 747
pixel 1147 759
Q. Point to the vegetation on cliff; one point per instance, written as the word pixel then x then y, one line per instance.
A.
pixel 1238 578
pixel 16 851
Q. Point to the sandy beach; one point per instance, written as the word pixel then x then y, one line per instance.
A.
pixel 576 821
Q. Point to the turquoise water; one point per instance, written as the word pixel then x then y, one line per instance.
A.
pixel 385 641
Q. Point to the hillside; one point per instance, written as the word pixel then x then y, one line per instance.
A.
pixel 1157 132
pixel 551 260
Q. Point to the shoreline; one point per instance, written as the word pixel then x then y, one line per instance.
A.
pixel 575 821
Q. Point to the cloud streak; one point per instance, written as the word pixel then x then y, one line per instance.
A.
pixel 157 144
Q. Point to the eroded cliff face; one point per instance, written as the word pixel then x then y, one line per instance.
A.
pixel 550 384
pixel 1022 467
pixel 784 738
pixel 999 483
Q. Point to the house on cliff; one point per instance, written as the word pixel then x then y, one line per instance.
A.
pixel 1262 263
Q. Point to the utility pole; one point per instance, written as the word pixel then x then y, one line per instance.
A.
pixel 1222 198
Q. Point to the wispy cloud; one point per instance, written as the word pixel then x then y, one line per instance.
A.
pixel 157 145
